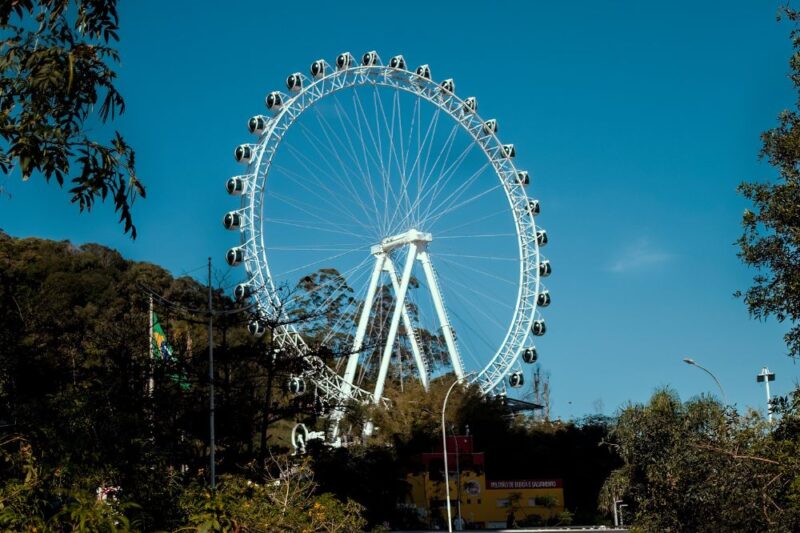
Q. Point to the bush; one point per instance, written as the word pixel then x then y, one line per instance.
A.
pixel 284 502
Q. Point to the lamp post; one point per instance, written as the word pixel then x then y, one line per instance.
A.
pixel 690 361
pixel 460 525
pixel 444 449
pixel 766 376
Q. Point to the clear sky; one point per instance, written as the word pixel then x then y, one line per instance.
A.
pixel 637 122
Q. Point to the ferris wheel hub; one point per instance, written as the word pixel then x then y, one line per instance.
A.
pixel 411 236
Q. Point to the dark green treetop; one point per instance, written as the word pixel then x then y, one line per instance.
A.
pixel 56 80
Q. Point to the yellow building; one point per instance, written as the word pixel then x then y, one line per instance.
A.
pixel 483 503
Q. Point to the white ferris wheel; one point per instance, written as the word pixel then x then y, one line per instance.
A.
pixel 380 207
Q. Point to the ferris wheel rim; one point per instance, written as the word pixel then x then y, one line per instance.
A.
pixel 499 365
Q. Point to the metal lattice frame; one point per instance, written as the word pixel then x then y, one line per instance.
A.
pixel 330 385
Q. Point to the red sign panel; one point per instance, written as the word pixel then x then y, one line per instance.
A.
pixel 524 484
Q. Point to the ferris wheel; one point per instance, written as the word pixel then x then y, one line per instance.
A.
pixel 387 229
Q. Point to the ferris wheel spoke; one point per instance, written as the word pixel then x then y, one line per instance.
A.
pixel 329 132
pixel 464 203
pixel 332 199
pixel 338 290
pixel 477 236
pixel 296 204
pixel 312 212
pixel 447 174
pixel 482 294
pixel 460 264
pixel 443 154
pixel 344 180
pixel 472 222
pixel 342 275
pixel 427 174
pixel 424 146
pixel 324 260
pixel 315 143
pixel 377 150
pixel 400 159
pixel 427 318
pixel 468 306
pixel 392 154
pixel 405 149
pixel 433 212
pixel 377 154
pixel 463 186
pixel 419 219
pixel 388 190
pixel 414 126
pixel 307 164
pixel 351 305
pixel 443 169
pixel 299 224
pixel 307 248
pixel 487 317
pixel 365 173
pixel 486 257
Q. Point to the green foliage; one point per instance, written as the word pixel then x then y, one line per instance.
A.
pixel 54 71
pixel 76 365
pixel 771 238
pixel 287 502
pixel 697 466
pixel 34 498
pixel 565 518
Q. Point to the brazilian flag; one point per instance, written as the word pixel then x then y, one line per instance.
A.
pixel 163 351
pixel 161 348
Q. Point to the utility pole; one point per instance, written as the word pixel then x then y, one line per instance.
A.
pixel 212 444
pixel 766 376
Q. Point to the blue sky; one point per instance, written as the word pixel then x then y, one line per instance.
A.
pixel 637 123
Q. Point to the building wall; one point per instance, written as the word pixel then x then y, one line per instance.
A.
pixel 485 503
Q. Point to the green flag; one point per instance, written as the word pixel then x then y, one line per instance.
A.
pixel 163 351
pixel 161 348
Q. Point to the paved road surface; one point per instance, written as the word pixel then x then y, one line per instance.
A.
pixel 594 529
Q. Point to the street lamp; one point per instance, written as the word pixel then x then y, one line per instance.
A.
pixel 690 361
pixel 444 449
pixel 460 524
pixel 766 376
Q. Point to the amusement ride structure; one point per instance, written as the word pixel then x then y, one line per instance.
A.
pixel 407 224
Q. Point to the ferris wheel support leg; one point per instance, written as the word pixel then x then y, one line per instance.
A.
pixel 363 321
pixel 358 343
pixel 412 339
pixel 398 311
pixel 438 303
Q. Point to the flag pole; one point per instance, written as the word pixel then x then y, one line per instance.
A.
pixel 212 444
pixel 150 381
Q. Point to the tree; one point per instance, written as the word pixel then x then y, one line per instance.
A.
pixel 699 466
pixel 55 67
pixel 284 500
pixel 771 238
